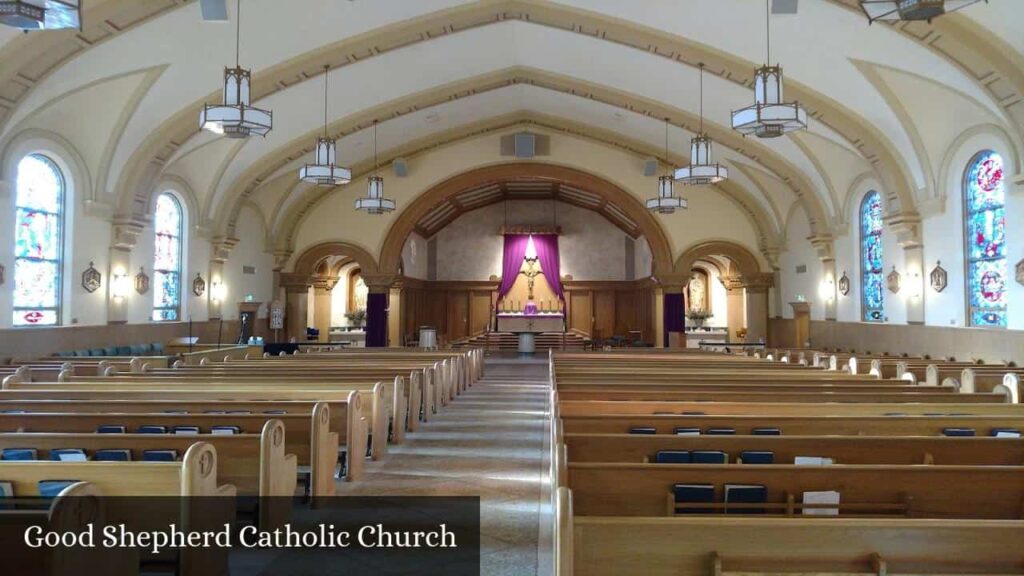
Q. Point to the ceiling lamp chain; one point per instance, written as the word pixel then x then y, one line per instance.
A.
pixel 375 202
pixel 235 118
pixel 890 10
pixel 701 170
pixel 770 116
pixel 666 202
pixel 325 170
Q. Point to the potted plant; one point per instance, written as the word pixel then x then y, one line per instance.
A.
pixel 698 317
pixel 356 318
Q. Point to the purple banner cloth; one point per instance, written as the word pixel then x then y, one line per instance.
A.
pixel 512 261
pixel 546 246
pixel 376 320
pixel 675 314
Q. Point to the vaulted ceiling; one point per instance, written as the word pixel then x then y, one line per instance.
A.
pixel 126 92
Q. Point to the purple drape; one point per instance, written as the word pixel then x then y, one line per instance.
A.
pixel 512 261
pixel 376 320
pixel 675 314
pixel 546 246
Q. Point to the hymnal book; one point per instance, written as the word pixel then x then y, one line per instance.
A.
pixel 51 488
pixel 720 431
pixel 672 457
pixel 745 494
pixel 709 457
pixel 821 497
pixel 68 455
pixel 693 493
pixel 110 429
pixel 19 454
pixel 766 432
pixel 275 411
pixel 6 489
pixel 643 430
pixel 812 461
pixel 239 412
pixel 757 457
pixel 958 431
pixel 152 429
pixel 1005 433
pixel 186 430
pixel 687 431
pixel 160 455
pixel 225 430
pixel 13 411
pixel 214 412
pixel 112 455
pixel 693 413
pixel 175 412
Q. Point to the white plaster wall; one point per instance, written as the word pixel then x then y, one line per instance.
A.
pixel 642 261
pixel 591 247
pixel 800 252
pixel 250 251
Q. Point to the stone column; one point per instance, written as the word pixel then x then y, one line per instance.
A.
pixel 377 300
pixel 125 234
pixel 219 292
pixel 322 287
pixel 907 226
pixel 755 290
pixel 296 287
pixel 736 303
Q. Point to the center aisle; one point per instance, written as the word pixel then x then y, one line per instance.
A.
pixel 489 442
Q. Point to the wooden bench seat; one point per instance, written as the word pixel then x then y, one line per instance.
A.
pixel 782 408
pixel 710 394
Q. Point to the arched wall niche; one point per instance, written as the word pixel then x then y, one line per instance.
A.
pixel 306 264
pixel 741 258
pixel 404 225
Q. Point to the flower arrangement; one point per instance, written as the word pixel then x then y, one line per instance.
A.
pixel 356 317
pixel 699 315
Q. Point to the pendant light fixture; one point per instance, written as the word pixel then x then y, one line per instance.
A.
pixel 235 118
pixel 324 171
pixel 375 202
pixel 890 10
pixel 701 170
pixel 770 116
pixel 666 202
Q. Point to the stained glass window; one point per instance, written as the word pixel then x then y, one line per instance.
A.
pixel 38 239
pixel 872 277
pixel 985 238
pixel 167 259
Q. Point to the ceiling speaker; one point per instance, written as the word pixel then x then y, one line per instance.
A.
pixel 525 145
pixel 650 167
pixel 400 167
pixel 784 6
pixel 214 10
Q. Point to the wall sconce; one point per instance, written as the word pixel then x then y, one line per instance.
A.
pixel 120 285
pixel 218 291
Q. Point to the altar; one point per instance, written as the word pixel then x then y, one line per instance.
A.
pixel 527 326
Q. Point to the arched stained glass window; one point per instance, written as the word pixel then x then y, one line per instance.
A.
pixel 985 239
pixel 167 259
pixel 872 277
pixel 38 242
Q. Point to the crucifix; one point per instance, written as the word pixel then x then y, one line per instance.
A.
pixel 531 274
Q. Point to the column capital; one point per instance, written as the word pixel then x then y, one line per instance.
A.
pixel 281 258
pixel 732 282
pixel 325 283
pixel 672 283
pixel 296 283
pixel 379 283
pixel 759 282
pixel 824 244
pixel 125 232
pixel 907 226
pixel 221 247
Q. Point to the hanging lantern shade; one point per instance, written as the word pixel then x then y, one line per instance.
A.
pixel 889 10
pixel 235 118
pixel 41 14
pixel 666 202
pixel 701 170
pixel 375 202
pixel 769 117
pixel 325 170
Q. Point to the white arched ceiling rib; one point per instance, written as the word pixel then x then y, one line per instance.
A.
pixel 868 138
pixel 584 58
pixel 298 200
pixel 261 168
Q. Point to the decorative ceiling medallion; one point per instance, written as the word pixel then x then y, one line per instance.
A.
pixel 199 285
pixel 938 278
pixel 141 282
pixel 91 279
pixel 889 10
pixel 844 284
pixel 1020 273
pixel 894 281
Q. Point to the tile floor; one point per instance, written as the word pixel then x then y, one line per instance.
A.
pixel 491 442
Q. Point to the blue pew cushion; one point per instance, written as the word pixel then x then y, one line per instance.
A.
pixel 152 429
pixel 111 429
pixel 693 494
pixel 672 457
pixel 160 455
pixel 51 488
pixel 757 457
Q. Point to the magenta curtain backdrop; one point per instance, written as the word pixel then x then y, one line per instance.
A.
pixel 512 261
pixel 674 315
pixel 546 246
pixel 376 320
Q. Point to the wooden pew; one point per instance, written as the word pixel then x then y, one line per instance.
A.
pixel 710 394
pixel 255 464
pixel 570 407
pixel 982 492
pixel 346 420
pixel 890 450
pixel 308 435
